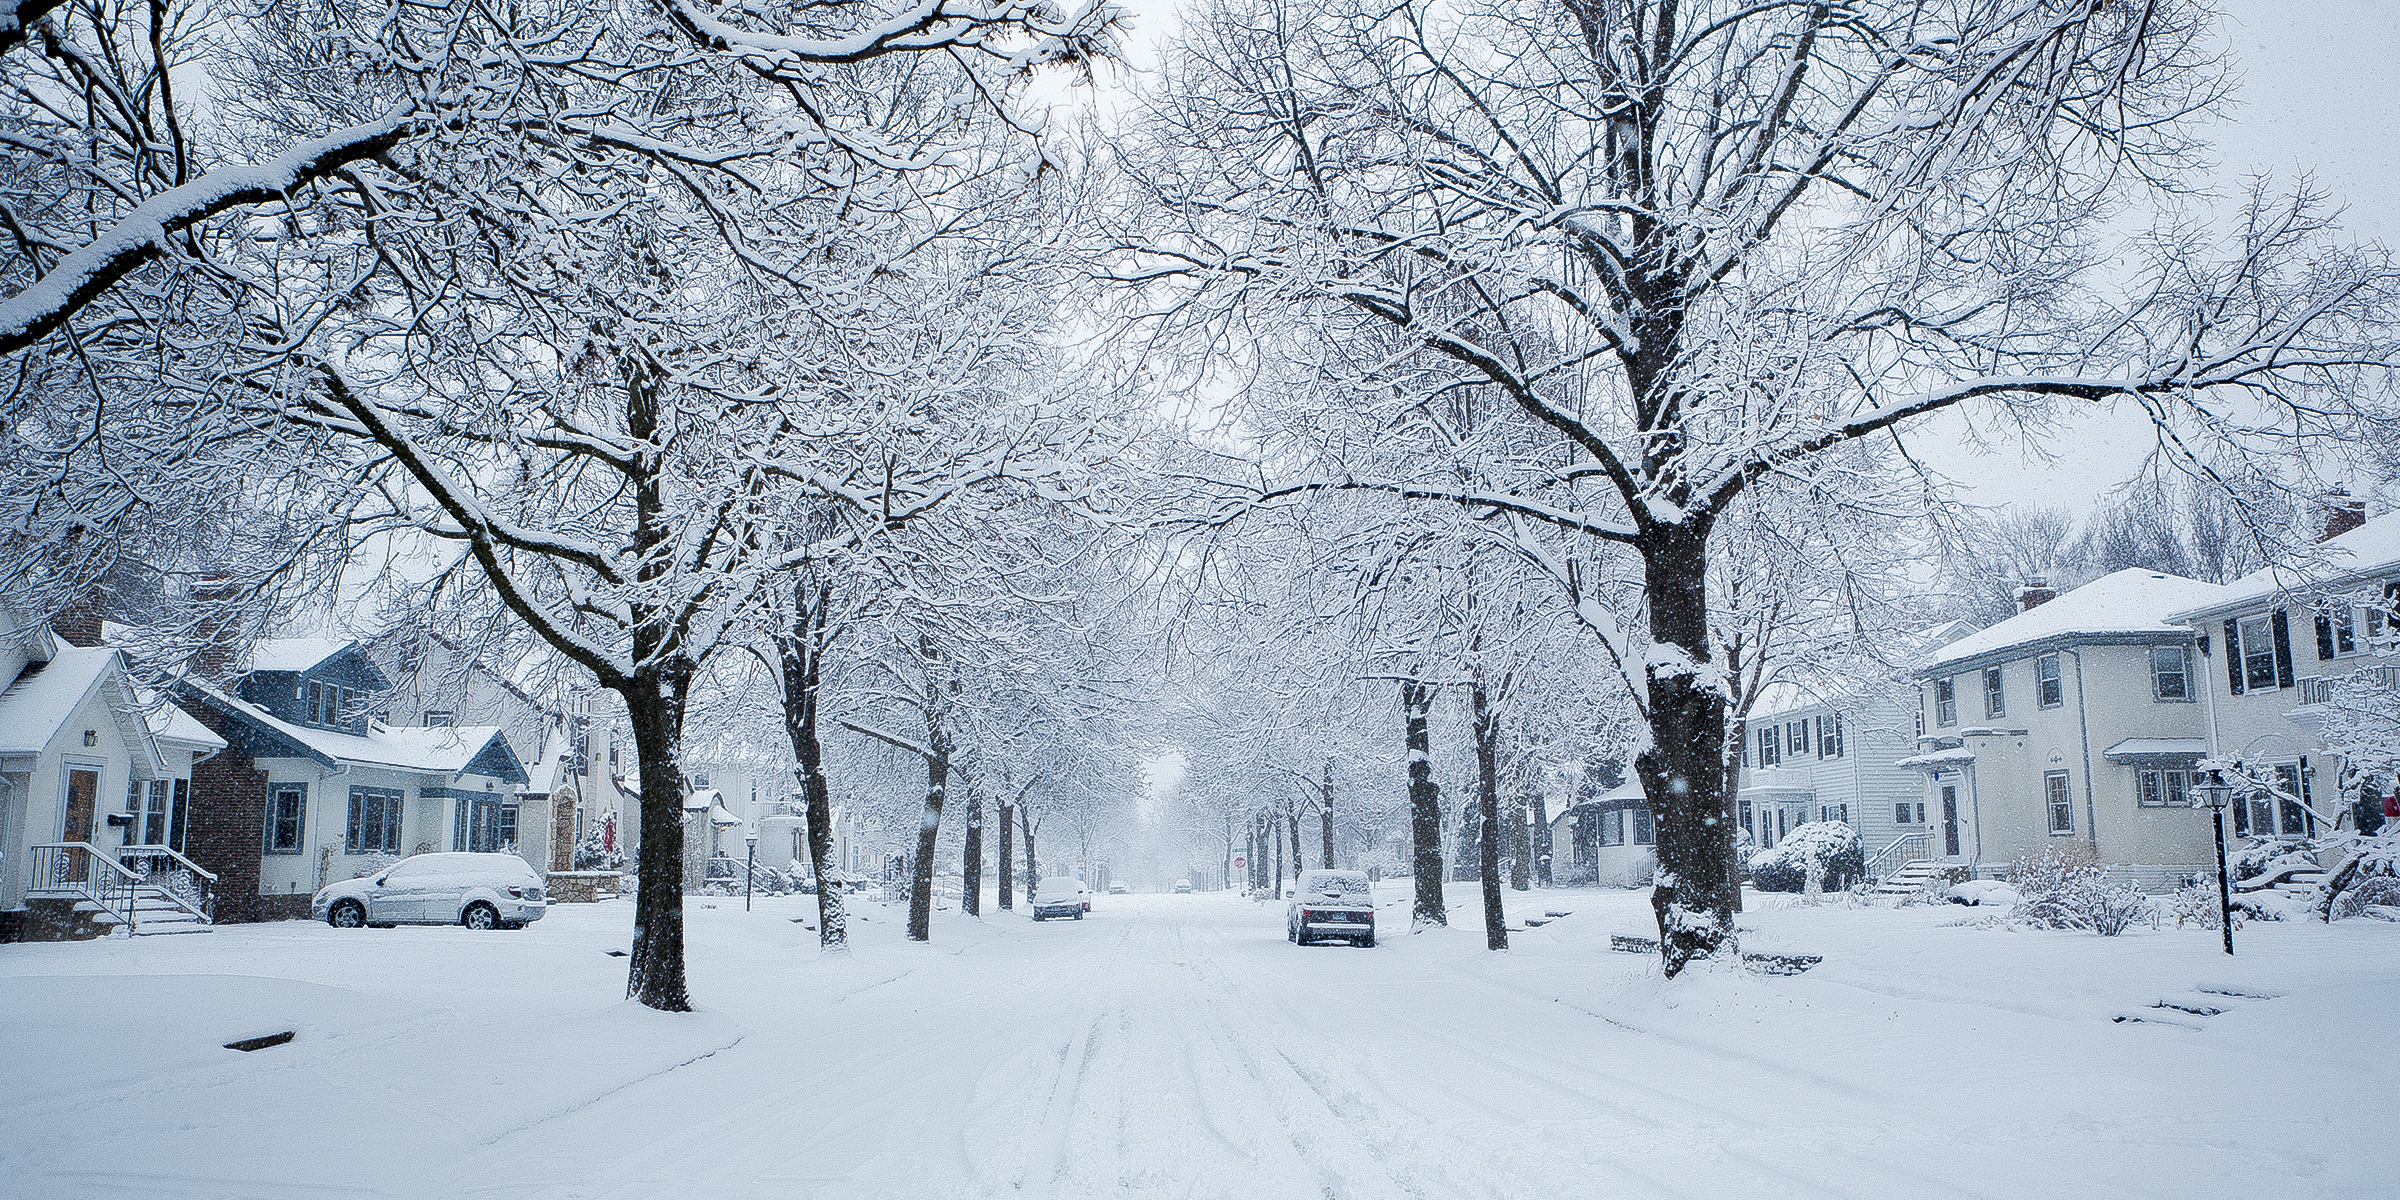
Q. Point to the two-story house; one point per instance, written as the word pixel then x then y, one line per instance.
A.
pixel 1833 759
pixel 2078 719
pixel 2277 642
pixel 315 787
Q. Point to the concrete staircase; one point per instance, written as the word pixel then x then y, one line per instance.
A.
pixel 155 912
pixel 1911 878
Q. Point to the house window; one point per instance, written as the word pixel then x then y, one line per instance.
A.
pixel 1642 835
pixel 2061 802
pixel 2170 673
pixel 2292 780
pixel 508 826
pixel 1920 812
pixel 1612 827
pixel 1747 827
pixel 329 705
pixel 1829 736
pixel 1900 812
pixel 287 812
pixel 2258 653
pixel 1834 812
pixel 477 827
pixel 1945 703
pixel 1770 746
pixel 2343 633
pixel 699 781
pixel 2165 789
pixel 374 826
pixel 2047 691
pixel 1993 704
pixel 436 718
pixel 1795 736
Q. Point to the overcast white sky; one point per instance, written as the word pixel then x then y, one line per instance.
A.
pixel 2318 93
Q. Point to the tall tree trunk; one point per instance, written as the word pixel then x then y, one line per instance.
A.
pixel 1007 864
pixel 1424 807
pixel 1033 871
pixel 1487 803
pixel 1325 811
pixel 1275 847
pixel 654 707
pixel 970 899
pixel 1291 815
pixel 801 650
pixel 1734 743
pixel 1520 845
pixel 937 791
pixel 1683 769
pixel 1541 839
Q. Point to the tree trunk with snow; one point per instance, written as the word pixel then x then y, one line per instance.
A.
pixel 929 827
pixel 1033 871
pixel 1520 845
pixel 1683 769
pixel 1006 861
pixel 800 650
pixel 1424 807
pixel 1540 829
pixel 654 708
pixel 1325 811
pixel 1487 806
pixel 970 897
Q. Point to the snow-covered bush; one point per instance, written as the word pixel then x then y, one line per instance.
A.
pixel 2373 896
pixel 2196 903
pixel 2066 888
pixel 1831 845
pixel 1974 892
pixel 2265 857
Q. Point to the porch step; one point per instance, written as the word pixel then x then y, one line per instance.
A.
pixel 2302 885
pixel 1909 879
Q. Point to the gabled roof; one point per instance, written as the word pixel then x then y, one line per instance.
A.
pixel 451 750
pixel 2360 556
pixel 2129 605
pixel 170 723
pixel 293 654
pixel 37 703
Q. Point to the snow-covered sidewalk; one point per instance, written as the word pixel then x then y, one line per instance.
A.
pixel 1177 1046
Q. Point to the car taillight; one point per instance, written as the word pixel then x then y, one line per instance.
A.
pixel 517 892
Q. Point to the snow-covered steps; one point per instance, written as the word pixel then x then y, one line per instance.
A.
pixel 1911 878
pixel 2190 1011
pixel 156 913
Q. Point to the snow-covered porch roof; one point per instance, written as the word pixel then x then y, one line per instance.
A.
pixel 2154 751
pixel 1939 760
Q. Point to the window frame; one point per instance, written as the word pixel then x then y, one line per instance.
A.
pixel 271 838
pixel 1945 703
pixel 374 820
pixel 1900 813
pixel 2058 801
pixel 441 718
pixel 1645 830
pixel 2182 675
pixel 2049 686
pixel 1770 745
pixel 2162 787
pixel 1611 830
pixel 1995 692
pixel 2256 650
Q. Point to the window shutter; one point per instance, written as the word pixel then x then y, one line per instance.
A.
pixel 2283 650
pixel 2324 637
pixel 358 821
pixel 458 832
pixel 2233 655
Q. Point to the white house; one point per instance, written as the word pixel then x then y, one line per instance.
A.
pixel 76 736
pixel 1608 839
pixel 2079 719
pixel 1832 759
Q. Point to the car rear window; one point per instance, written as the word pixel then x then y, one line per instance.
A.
pixel 1347 885
pixel 1055 888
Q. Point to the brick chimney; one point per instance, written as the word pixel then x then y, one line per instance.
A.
pixel 217 618
pixel 2342 511
pixel 2036 592
pixel 78 624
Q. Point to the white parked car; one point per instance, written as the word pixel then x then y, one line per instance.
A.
pixel 1059 896
pixel 1332 904
pixel 479 891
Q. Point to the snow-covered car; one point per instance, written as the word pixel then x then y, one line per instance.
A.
pixel 1183 887
pixel 1332 905
pixel 1059 896
pixel 479 891
pixel 1119 889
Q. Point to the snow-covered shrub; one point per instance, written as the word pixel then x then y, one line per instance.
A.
pixel 2261 858
pixel 2364 898
pixel 2066 888
pixel 1831 845
pixel 1974 892
pixel 2196 903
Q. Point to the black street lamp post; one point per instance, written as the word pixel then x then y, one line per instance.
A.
pixel 750 870
pixel 2216 793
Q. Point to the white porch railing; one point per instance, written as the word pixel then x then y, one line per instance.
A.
pixel 186 884
pixel 83 871
pixel 1902 850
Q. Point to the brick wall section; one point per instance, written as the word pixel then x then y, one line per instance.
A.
pixel 227 824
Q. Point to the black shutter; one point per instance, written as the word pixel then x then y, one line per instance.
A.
pixel 2233 656
pixel 2324 637
pixel 358 821
pixel 2283 650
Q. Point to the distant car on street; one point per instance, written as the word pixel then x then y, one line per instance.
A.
pixel 1183 887
pixel 1059 896
pixel 479 891
pixel 1332 905
pixel 1118 889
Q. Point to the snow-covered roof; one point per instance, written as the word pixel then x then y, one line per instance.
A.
pixel 1957 756
pixel 1628 792
pixel 700 799
pixel 2153 749
pixel 169 723
pixel 2124 605
pixel 437 749
pixel 2364 553
pixel 293 654
pixel 35 707
pixel 720 815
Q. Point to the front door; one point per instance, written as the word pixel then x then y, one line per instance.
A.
pixel 1950 822
pixel 82 806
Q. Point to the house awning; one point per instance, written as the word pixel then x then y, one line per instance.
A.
pixel 2156 751
pixel 1939 760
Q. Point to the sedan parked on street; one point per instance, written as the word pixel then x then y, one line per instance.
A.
pixel 1058 896
pixel 479 891
pixel 1332 905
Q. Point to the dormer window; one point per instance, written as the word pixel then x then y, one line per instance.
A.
pixel 437 718
pixel 327 705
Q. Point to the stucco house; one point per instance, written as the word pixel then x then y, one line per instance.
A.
pixel 2275 645
pixel 2078 719
pixel 315 786
pixel 95 792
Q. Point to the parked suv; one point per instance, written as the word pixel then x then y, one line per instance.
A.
pixel 1058 896
pixel 479 891
pixel 1338 905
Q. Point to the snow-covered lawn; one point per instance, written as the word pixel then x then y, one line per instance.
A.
pixel 1176 1046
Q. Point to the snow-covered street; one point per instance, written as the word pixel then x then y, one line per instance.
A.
pixel 1177 1046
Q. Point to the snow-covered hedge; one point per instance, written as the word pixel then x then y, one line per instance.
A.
pixel 2066 888
pixel 1832 845
pixel 2373 896
pixel 2272 855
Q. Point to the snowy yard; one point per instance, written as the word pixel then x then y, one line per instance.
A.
pixel 1176 1046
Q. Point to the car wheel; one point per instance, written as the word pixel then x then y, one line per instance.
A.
pixel 347 914
pixel 480 916
pixel 1078 916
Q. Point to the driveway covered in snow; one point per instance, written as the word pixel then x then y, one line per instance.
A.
pixel 1177 1046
